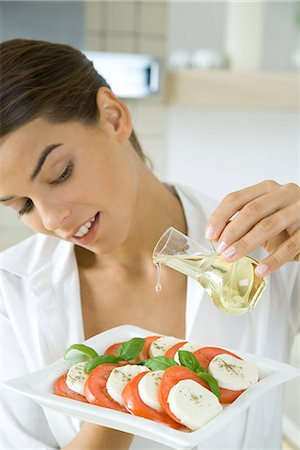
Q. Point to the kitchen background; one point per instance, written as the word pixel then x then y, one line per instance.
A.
pixel 227 113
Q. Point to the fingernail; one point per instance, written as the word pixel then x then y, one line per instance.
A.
pixel 209 234
pixel 229 252
pixel 261 269
pixel 221 247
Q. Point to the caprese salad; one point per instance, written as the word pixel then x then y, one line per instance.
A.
pixel 174 382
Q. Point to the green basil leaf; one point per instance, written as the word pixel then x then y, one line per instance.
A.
pixel 189 360
pixel 142 363
pixel 211 381
pixel 87 352
pixel 159 363
pixel 103 359
pixel 130 349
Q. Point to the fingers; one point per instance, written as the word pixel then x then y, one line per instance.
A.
pixel 257 221
pixel 265 230
pixel 289 250
pixel 233 203
pixel 265 215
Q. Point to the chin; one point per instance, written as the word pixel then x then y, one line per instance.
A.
pixel 111 243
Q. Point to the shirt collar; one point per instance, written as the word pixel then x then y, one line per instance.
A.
pixel 37 257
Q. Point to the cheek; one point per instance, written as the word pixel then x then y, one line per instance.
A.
pixel 122 195
pixel 117 202
pixel 113 183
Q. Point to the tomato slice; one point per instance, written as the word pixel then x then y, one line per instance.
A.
pixel 145 350
pixel 112 350
pixel 136 406
pixel 204 356
pixel 95 387
pixel 171 377
pixel 228 396
pixel 61 388
pixel 171 352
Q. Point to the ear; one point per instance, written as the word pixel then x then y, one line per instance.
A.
pixel 114 113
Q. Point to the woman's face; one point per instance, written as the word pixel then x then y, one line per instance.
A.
pixel 71 181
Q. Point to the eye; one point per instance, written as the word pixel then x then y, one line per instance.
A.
pixel 65 175
pixel 27 207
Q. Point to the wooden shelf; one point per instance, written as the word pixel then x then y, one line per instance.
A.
pixel 225 89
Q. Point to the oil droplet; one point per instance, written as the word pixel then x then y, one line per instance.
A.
pixel 158 271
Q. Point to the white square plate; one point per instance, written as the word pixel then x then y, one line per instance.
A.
pixel 39 386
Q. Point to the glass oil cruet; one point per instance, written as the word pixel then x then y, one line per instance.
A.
pixel 233 287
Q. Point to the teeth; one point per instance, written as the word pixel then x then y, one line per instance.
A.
pixel 84 228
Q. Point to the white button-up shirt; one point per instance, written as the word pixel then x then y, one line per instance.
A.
pixel 41 316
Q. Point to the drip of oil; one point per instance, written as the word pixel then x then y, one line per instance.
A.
pixel 233 287
pixel 158 273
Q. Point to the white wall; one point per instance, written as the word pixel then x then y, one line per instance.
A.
pixel 222 151
pixel 194 25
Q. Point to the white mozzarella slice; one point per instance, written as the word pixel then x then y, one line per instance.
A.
pixel 161 345
pixel 232 373
pixel 148 389
pixel 190 346
pixel 76 378
pixel 193 404
pixel 119 377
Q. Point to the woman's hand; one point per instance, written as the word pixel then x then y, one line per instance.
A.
pixel 96 437
pixel 264 215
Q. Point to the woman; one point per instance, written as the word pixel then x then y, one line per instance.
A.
pixel 72 168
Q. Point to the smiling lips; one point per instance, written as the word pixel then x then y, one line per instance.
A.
pixel 87 232
pixel 83 230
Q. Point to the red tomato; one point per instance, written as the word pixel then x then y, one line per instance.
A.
pixel 112 350
pixel 136 406
pixel 95 387
pixel 145 350
pixel 61 388
pixel 171 377
pixel 204 356
pixel 170 353
pixel 228 396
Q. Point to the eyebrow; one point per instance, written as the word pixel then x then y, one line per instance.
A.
pixel 43 156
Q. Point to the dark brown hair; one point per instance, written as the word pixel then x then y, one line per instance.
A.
pixel 45 79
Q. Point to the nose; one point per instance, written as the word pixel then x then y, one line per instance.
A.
pixel 53 216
